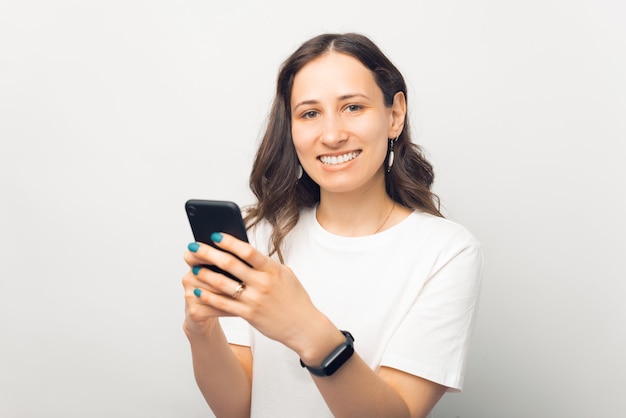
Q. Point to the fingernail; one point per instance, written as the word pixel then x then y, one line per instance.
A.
pixel 193 247
pixel 197 292
pixel 216 237
pixel 195 270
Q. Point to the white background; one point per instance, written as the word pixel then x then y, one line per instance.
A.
pixel 113 113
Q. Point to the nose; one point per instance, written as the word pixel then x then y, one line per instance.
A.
pixel 334 132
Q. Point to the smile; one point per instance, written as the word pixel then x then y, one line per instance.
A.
pixel 339 159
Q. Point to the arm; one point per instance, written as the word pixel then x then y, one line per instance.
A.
pixel 357 391
pixel 391 393
pixel 223 380
pixel 223 372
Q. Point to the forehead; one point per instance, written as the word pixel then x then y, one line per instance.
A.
pixel 333 73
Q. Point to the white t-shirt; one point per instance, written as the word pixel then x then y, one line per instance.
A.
pixel 408 295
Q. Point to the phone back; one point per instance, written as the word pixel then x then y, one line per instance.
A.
pixel 209 216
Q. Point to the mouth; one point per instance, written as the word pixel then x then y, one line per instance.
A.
pixel 338 159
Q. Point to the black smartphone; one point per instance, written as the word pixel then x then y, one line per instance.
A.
pixel 209 216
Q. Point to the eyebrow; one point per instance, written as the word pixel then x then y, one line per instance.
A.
pixel 341 98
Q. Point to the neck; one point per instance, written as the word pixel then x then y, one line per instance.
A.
pixel 354 215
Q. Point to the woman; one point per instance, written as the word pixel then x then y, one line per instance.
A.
pixel 358 297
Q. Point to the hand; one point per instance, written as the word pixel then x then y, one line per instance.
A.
pixel 200 319
pixel 273 300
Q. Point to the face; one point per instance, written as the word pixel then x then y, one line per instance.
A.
pixel 340 125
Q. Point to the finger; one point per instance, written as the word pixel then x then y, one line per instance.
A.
pixel 198 253
pixel 191 282
pixel 198 298
pixel 197 307
pixel 208 255
pixel 241 249
pixel 214 281
pixel 221 304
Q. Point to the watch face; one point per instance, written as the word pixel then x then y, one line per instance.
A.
pixel 332 364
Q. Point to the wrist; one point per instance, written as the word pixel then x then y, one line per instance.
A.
pixel 320 343
pixel 195 332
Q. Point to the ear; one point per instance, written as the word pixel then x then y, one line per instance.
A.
pixel 398 114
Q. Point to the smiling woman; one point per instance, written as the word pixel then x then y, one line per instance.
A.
pixel 345 235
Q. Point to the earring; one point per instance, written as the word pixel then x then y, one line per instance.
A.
pixel 391 155
pixel 299 172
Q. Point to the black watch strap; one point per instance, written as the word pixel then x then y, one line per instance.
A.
pixel 336 359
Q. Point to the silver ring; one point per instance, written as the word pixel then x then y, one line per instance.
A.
pixel 240 288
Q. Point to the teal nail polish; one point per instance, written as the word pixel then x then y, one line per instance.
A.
pixel 197 292
pixel 193 247
pixel 216 237
pixel 195 270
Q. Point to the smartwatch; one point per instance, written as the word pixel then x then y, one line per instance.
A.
pixel 335 360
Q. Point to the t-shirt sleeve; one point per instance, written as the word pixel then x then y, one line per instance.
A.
pixel 432 339
pixel 237 330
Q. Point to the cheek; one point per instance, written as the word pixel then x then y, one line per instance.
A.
pixel 299 132
pixel 300 148
pixel 305 160
pixel 375 134
pixel 302 139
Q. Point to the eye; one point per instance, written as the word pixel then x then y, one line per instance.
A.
pixel 353 108
pixel 309 114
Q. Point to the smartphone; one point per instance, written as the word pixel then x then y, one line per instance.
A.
pixel 209 216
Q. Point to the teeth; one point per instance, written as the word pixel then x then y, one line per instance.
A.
pixel 338 159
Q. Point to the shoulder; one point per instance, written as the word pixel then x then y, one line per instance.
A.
pixel 428 237
pixel 438 228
